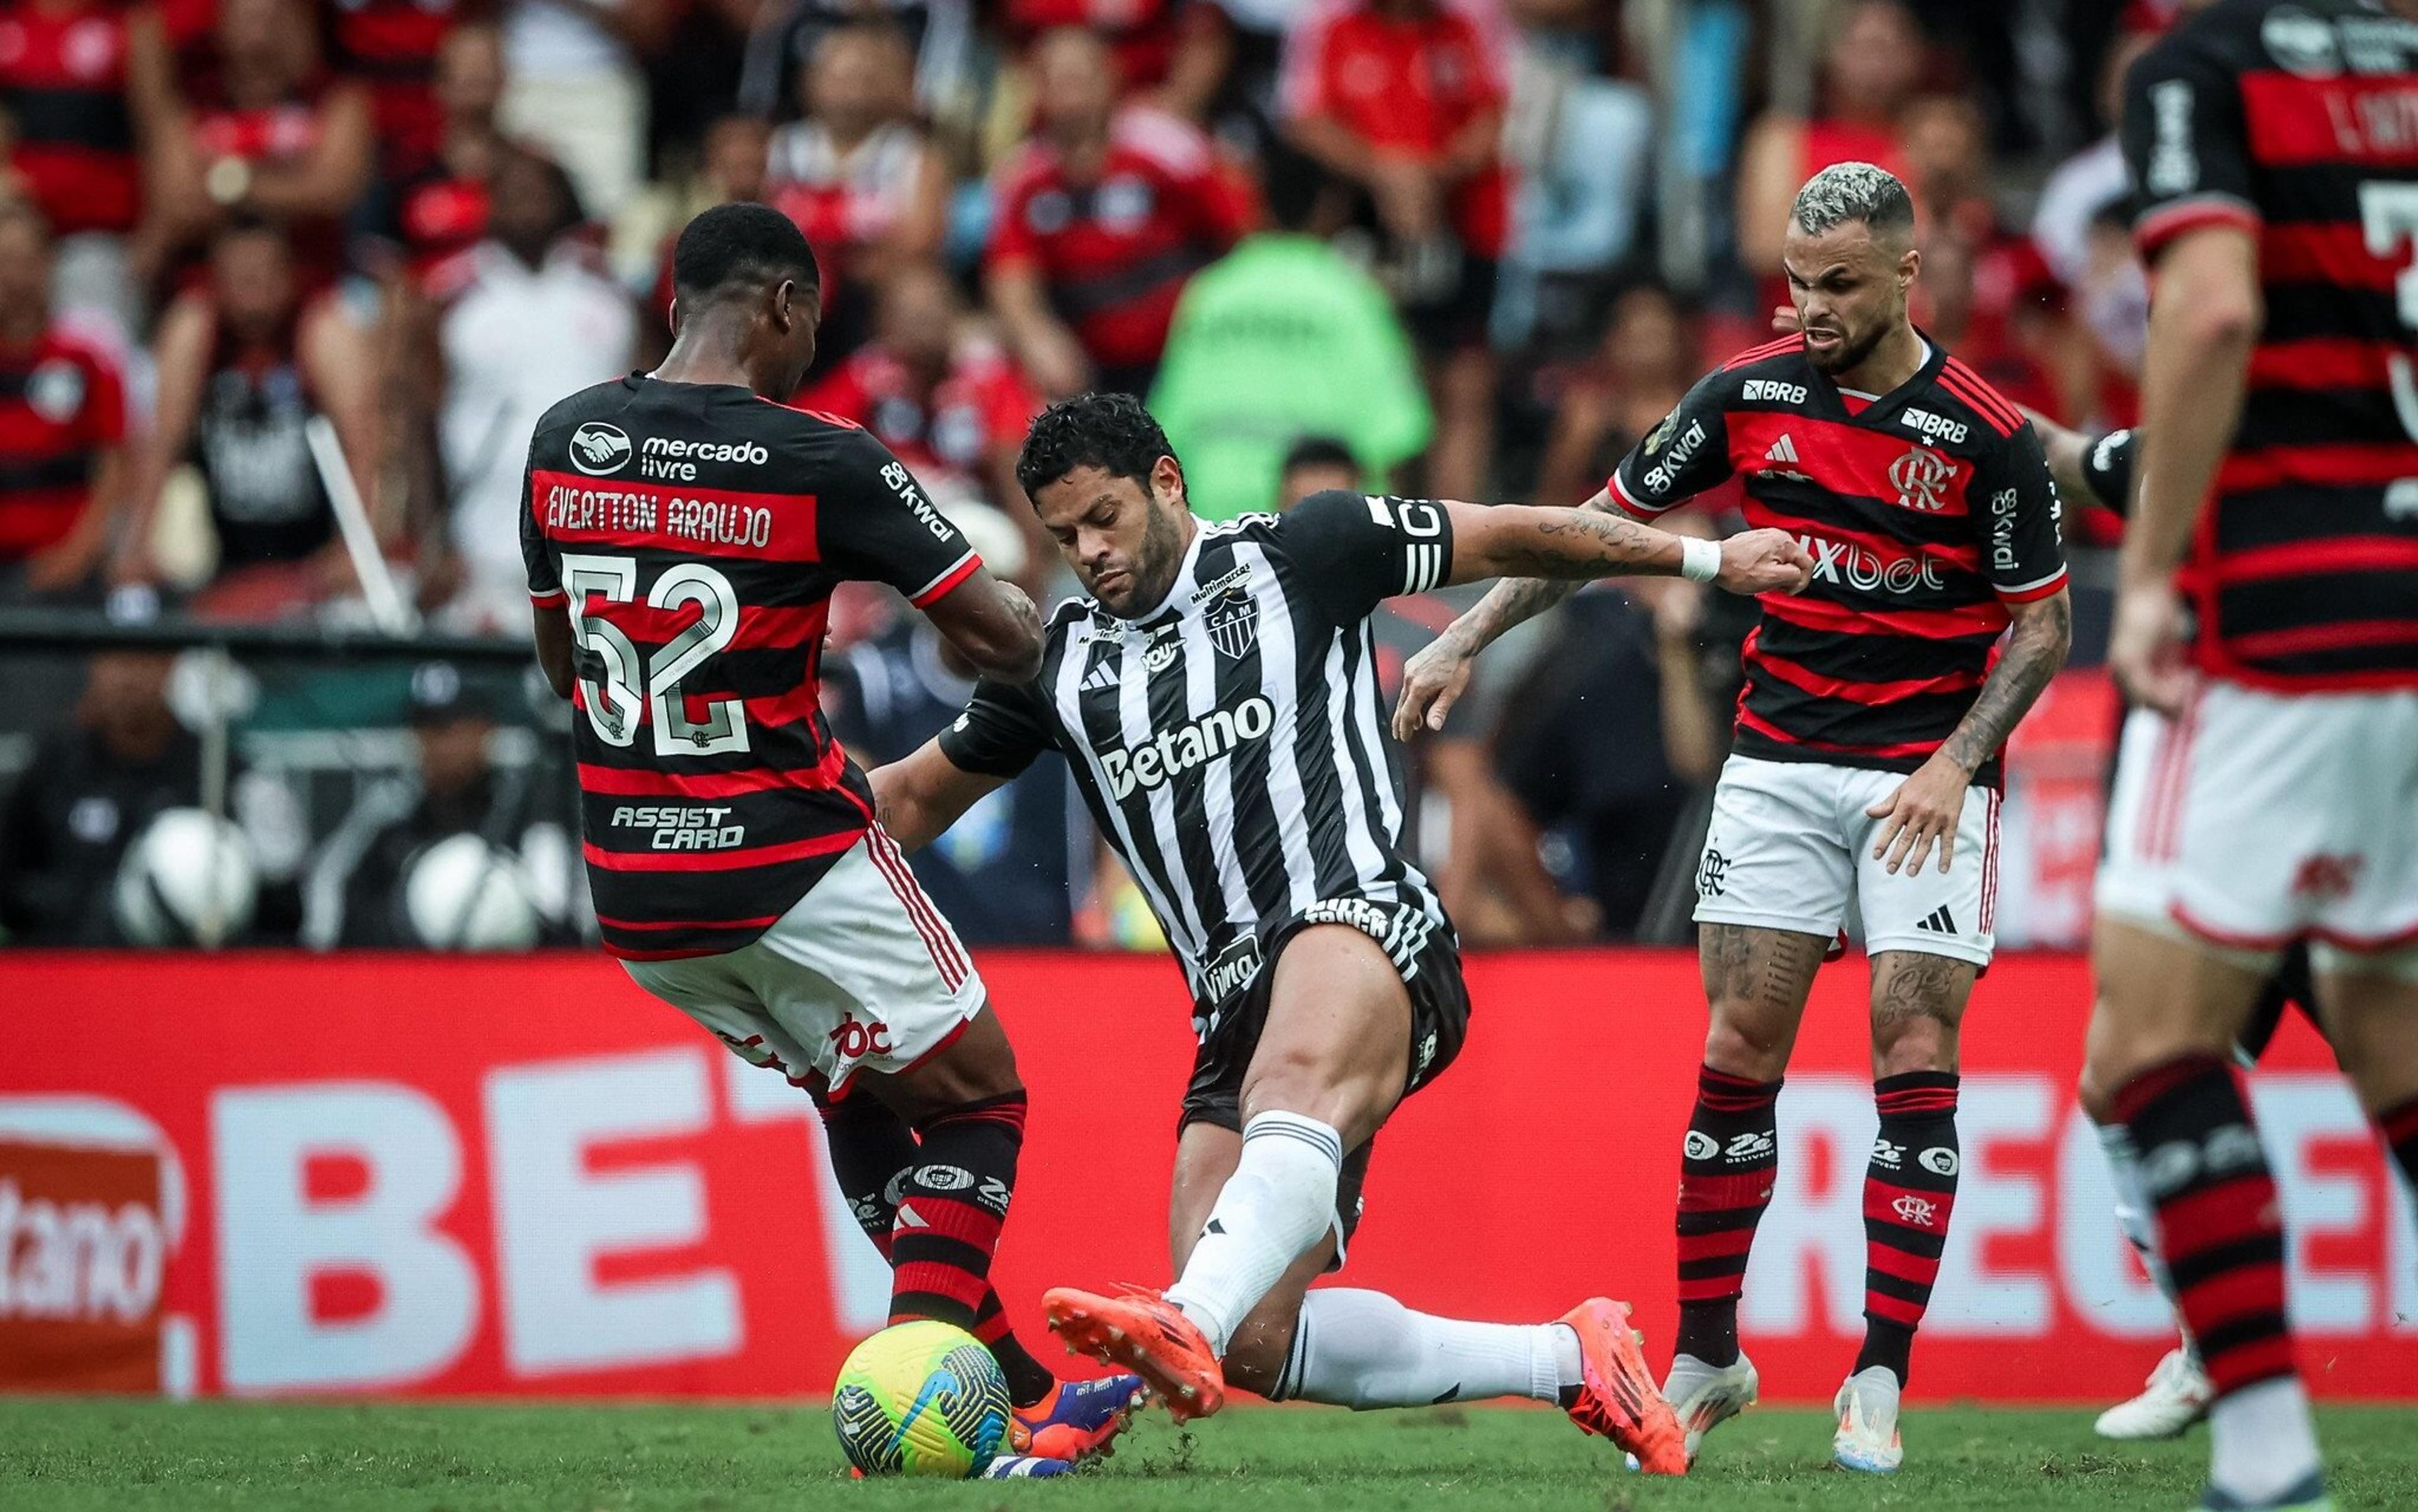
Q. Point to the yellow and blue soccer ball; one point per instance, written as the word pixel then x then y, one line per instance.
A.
pixel 922 1398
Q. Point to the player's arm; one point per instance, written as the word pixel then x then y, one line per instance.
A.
pixel 1685 455
pixel 1004 728
pixel 2025 562
pixel 992 623
pixel 2185 143
pixel 558 641
pixel 1528 541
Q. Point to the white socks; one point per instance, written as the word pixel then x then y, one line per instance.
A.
pixel 2134 1214
pixel 1278 1202
pixel 2261 1442
pixel 1363 1350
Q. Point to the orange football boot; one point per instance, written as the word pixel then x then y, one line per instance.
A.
pixel 1617 1397
pixel 1142 1331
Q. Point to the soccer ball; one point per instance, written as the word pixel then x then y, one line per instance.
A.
pixel 922 1398
pixel 463 894
pixel 188 880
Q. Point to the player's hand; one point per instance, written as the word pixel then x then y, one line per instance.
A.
pixel 1764 561
pixel 2144 650
pixel 1785 321
pixel 1432 681
pixel 1924 809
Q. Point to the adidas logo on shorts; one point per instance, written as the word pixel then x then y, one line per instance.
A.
pixel 1938 920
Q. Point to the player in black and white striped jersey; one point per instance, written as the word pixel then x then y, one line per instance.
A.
pixel 1217 696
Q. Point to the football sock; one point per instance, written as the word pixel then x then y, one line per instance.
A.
pixel 2400 1125
pixel 870 1149
pixel 2134 1214
pixel 1278 1203
pixel 950 1209
pixel 1363 1350
pixel 1728 1166
pixel 2223 1238
pixel 1910 1191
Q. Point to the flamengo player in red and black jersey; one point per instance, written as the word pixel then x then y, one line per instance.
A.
pixel 683 534
pixel 1875 706
pixel 2277 181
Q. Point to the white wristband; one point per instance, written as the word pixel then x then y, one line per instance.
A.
pixel 1700 562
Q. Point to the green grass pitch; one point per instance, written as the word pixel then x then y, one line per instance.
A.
pixel 87 1456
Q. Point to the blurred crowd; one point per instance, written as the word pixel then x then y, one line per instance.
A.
pixel 285 284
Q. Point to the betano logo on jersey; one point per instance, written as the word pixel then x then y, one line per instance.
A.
pixel 1173 753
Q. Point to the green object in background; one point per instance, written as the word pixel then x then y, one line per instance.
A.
pixel 1282 339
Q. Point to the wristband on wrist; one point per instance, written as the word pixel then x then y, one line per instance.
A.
pixel 1700 562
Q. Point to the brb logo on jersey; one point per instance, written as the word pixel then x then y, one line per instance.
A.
pixel 1174 752
pixel 599 450
pixel 1920 476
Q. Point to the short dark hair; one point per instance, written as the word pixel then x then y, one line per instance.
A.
pixel 1318 451
pixel 731 247
pixel 1111 432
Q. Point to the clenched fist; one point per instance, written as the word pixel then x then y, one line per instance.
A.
pixel 1764 561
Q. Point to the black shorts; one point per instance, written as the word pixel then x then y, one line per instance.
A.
pixel 1459 317
pixel 1230 1031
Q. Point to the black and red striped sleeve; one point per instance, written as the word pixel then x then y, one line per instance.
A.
pixel 875 522
pixel 544 573
pixel 2186 150
pixel 2021 552
pixel 1683 456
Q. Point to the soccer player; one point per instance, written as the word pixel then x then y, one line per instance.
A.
pixel 683 533
pixel 2278 195
pixel 1216 697
pixel 1867 743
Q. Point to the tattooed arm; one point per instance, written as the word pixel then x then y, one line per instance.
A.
pixel 1542 555
pixel 1927 805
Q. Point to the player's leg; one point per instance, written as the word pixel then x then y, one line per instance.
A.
pixel 1772 891
pixel 2369 1003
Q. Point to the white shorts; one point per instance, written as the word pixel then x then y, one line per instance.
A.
pixel 2294 816
pixel 1791 848
pixel 2137 861
pixel 862 971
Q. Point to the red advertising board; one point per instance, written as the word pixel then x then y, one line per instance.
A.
pixel 430 1176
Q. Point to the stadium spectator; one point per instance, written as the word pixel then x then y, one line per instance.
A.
pixel 244 364
pixel 266 135
pixel 393 46
pixel 510 326
pixel 941 33
pixel 1002 873
pixel 857 175
pixel 62 428
pixel 1403 101
pixel 1283 338
pixel 1102 217
pixel 940 395
pixel 1581 147
pixel 440 208
pixel 1644 364
pixel 731 169
pixel 1314 464
pixel 575 91
pixel 99 777
pixel 1870 69
pixel 454 789
pixel 1143 35
pixel 85 83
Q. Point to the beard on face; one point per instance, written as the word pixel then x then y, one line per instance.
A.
pixel 1155 563
pixel 1851 350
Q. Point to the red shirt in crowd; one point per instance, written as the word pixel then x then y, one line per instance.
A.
pixel 1115 255
pixel 61 404
pixel 275 133
pixel 63 78
pixel 392 45
pixel 439 216
pixel 1408 85
pixel 980 405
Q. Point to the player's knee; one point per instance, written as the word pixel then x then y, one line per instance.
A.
pixel 1255 1360
pixel 1920 1043
pixel 1741 1047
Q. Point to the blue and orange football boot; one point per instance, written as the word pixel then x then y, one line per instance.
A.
pixel 1079 1420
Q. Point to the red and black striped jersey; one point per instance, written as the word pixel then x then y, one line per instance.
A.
pixel 1926 510
pixel 63 83
pixel 2299 125
pixel 61 406
pixel 695 532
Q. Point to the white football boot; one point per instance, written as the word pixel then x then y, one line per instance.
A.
pixel 1704 1396
pixel 2177 1397
pixel 1867 1437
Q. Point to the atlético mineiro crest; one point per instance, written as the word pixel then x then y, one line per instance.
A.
pixel 1234 624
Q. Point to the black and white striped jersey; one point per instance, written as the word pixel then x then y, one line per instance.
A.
pixel 1230 742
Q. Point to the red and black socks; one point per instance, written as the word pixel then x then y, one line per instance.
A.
pixel 1727 1165
pixel 878 1162
pixel 1910 1191
pixel 952 1205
